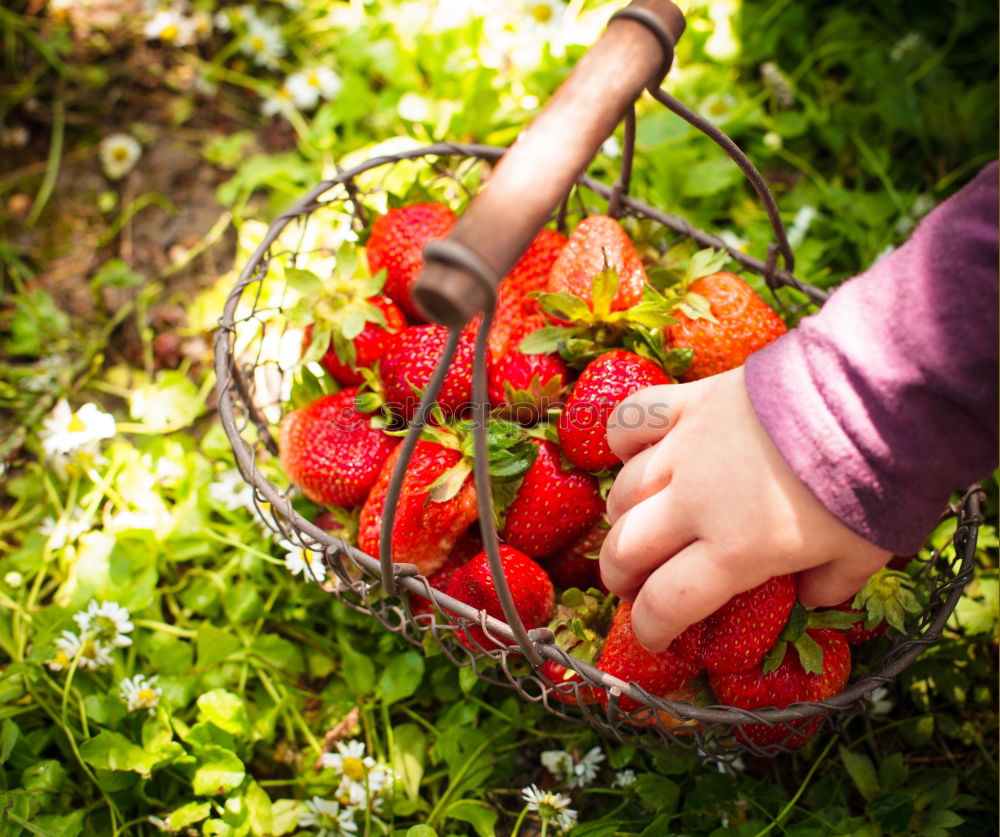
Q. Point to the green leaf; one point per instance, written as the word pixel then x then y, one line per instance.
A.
pixel 226 710
pixel 214 644
pixel 9 733
pixel 697 307
pixel 171 401
pixel 544 341
pixel 115 273
pixel 259 810
pixel 861 770
pixel 409 751
pixel 478 814
pixel 893 772
pixel 448 484
pixel 305 282
pixel 307 386
pixel 60 825
pixel 188 814
pixel 892 810
pixel 657 793
pixel 401 677
pixel 566 306
pixel 704 263
pixel 113 751
pixel 420 831
pixel 218 773
pixel 359 670
pixel 798 620
pixel 810 654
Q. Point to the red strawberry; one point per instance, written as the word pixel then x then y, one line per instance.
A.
pixel 788 683
pixel 534 596
pixel 331 451
pixel 425 529
pixel 569 685
pixel 576 564
pixel 468 544
pixel 518 314
pixel 622 656
pixel 409 361
pixel 396 244
pixel 554 505
pixel 607 381
pixel 743 323
pixel 368 345
pixel 739 634
pixel 527 385
pixel 598 242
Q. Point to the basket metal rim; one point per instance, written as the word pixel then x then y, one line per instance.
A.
pixel 228 377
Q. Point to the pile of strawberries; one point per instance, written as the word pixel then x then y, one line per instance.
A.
pixel 580 324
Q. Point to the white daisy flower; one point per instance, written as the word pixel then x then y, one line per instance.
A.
pixel 305 562
pixel 307 87
pixel 13 579
pixel 879 704
pixel 119 153
pixel 107 622
pixel 64 431
pixel 362 779
pixel 231 491
pixel 328 817
pixel 263 43
pixel 170 27
pixel 543 13
pixel 88 652
pixel 279 103
pixel 624 778
pixel 65 530
pixel 140 693
pixel 551 807
pixel 612 147
pixel 577 773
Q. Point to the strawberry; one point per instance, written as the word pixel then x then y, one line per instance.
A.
pixel 576 564
pixel 518 314
pixel 409 361
pixel 738 635
pixel 580 622
pixel 526 386
pixel 468 544
pixel 396 245
pixel 796 676
pixel 622 656
pixel 597 243
pixel 428 521
pixel 331 451
pixel 367 346
pixel 734 324
pixel 533 593
pixel 607 381
pixel 554 505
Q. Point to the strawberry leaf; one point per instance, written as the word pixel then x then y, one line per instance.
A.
pixel 798 620
pixel 352 322
pixel 697 307
pixel 319 342
pixel 304 282
pixel 307 386
pixel 839 619
pixel 565 306
pixel 545 340
pixel 774 657
pixel 448 484
pixel 810 654
pixel 371 286
pixel 675 362
pixel 604 288
pixel 367 402
pixel 705 262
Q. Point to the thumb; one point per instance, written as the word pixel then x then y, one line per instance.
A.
pixel 645 417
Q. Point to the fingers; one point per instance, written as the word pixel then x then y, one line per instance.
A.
pixel 693 584
pixel 643 418
pixel 836 581
pixel 645 474
pixel 645 536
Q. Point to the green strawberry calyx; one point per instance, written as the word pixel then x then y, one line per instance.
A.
pixel 889 596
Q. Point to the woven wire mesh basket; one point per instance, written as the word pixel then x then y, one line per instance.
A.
pixel 257 353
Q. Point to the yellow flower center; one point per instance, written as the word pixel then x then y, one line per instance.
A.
pixel 76 424
pixel 541 12
pixel 120 155
pixel 354 769
pixel 257 42
pixel 170 32
pixel 145 697
pixel 60 659
pixel 313 80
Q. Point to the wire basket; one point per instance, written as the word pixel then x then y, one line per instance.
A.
pixel 257 353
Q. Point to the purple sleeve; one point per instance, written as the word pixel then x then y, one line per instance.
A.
pixel 885 401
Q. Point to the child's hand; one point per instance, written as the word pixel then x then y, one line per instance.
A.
pixel 706 507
